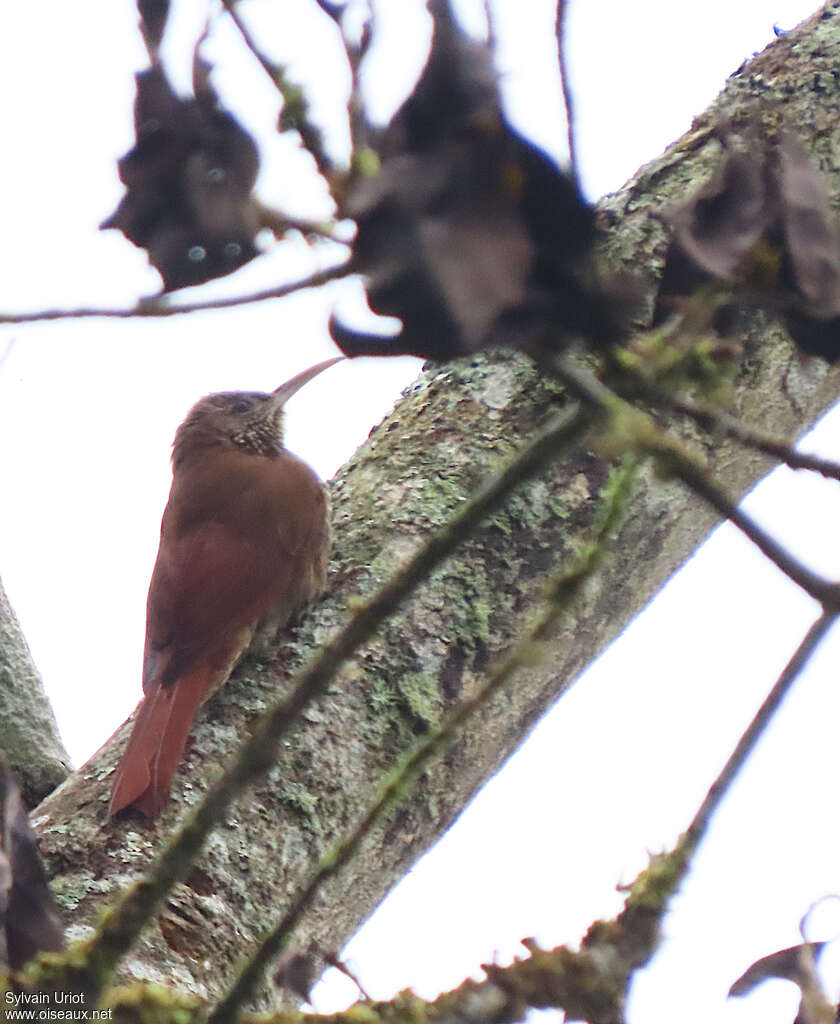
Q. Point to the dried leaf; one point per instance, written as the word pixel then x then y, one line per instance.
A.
pixel 810 231
pixel 722 223
pixel 189 180
pixel 29 921
pixel 468 233
pixel 763 228
pixel 814 335
pixel 715 232
pixel 296 972
pixel 681 279
pixel 456 93
pixel 796 964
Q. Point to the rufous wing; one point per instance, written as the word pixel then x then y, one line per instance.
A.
pixel 242 541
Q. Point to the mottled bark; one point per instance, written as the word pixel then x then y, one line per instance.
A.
pixel 450 432
pixel 28 730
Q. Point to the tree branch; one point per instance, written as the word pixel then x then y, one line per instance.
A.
pixel 716 421
pixel 28 730
pixel 746 744
pixel 156 307
pixel 395 787
pixel 295 107
pixel 568 99
pixel 636 429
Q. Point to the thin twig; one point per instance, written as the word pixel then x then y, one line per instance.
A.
pixel 360 128
pixel 651 893
pixel 754 730
pixel 344 969
pixel 156 308
pixel 121 928
pixel 399 781
pixel 7 351
pixel 698 479
pixel 676 460
pixel 295 105
pixel 568 100
pixel 716 421
pixel 712 420
pixel 267 65
pixel 630 941
pixel 492 33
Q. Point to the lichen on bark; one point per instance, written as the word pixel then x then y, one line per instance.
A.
pixel 28 730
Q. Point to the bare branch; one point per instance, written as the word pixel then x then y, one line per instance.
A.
pixel 295 107
pixel 696 477
pixel 715 421
pixel 267 65
pixel 157 307
pixel 754 730
pixel 652 891
pixel 720 422
pixel 7 351
pixel 637 429
pixel 568 100
pixel 356 52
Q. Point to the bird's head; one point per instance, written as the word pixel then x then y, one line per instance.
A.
pixel 250 420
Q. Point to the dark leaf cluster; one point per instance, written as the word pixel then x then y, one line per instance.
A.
pixel 189 177
pixel 761 228
pixel 29 921
pixel 468 233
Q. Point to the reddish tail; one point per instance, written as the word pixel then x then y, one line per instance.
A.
pixel 156 743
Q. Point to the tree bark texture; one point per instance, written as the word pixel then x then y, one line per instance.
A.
pixel 28 730
pixel 450 432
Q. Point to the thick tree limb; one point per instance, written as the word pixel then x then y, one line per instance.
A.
pixel 119 932
pixel 448 435
pixel 28 730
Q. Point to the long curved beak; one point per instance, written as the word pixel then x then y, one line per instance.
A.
pixel 285 391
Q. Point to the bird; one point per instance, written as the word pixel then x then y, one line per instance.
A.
pixel 244 546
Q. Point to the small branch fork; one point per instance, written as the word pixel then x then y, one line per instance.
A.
pixel 715 421
pixel 637 430
pixel 296 107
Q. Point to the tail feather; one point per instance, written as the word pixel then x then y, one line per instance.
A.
pixel 157 741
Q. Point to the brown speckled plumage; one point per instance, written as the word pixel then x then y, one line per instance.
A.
pixel 244 545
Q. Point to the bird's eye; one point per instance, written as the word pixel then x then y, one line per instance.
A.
pixel 241 405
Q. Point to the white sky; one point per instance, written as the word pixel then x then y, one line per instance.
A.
pixel 88 410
